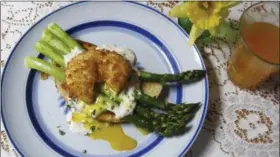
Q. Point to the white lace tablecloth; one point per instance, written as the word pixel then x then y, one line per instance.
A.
pixel 239 123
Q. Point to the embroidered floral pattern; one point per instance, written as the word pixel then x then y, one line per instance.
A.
pixel 4 141
pixel 162 6
pixel 253 126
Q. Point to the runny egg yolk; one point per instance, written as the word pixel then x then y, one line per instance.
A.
pixel 115 135
pixel 112 133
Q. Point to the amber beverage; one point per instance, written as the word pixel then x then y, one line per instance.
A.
pixel 256 53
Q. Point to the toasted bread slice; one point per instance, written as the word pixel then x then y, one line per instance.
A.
pixel 150 88
pixel 87 46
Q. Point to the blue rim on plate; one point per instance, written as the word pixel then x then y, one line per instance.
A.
pixel 81 27
pixel 164 16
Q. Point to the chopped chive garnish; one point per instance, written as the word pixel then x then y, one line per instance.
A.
pixel 93 112
pixel 93 128
pixel 62 133
pixel 112 107
pixel 68 106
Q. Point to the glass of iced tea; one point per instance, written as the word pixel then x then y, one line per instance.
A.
pixel 256 54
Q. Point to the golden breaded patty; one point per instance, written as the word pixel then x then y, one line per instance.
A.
pixel 113 69
pixel 81 74
pixel 96 66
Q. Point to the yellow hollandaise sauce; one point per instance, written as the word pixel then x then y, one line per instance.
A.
pixel 112 133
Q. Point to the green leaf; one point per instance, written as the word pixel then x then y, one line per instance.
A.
pixel 204 34
pixel 186 24
pixel 225 32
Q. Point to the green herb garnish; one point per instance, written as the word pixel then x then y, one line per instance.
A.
pixel 68 106
pixel 112 107
pixel 93 128
pixel 62 133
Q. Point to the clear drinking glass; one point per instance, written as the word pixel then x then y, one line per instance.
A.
pixel 256 54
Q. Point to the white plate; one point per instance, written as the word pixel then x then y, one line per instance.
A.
pixel 31 108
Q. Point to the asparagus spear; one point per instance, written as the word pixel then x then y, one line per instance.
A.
pixel 139 121
pixel 172 130
pixel 55 42
pixel 163 124
pixel 170 118
pixel 146 99
pixel 184 77
pixel 42 65
pixel 159 119
pixel 181 108
pixel 50 52
pixel 63 36
pixel 168 129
